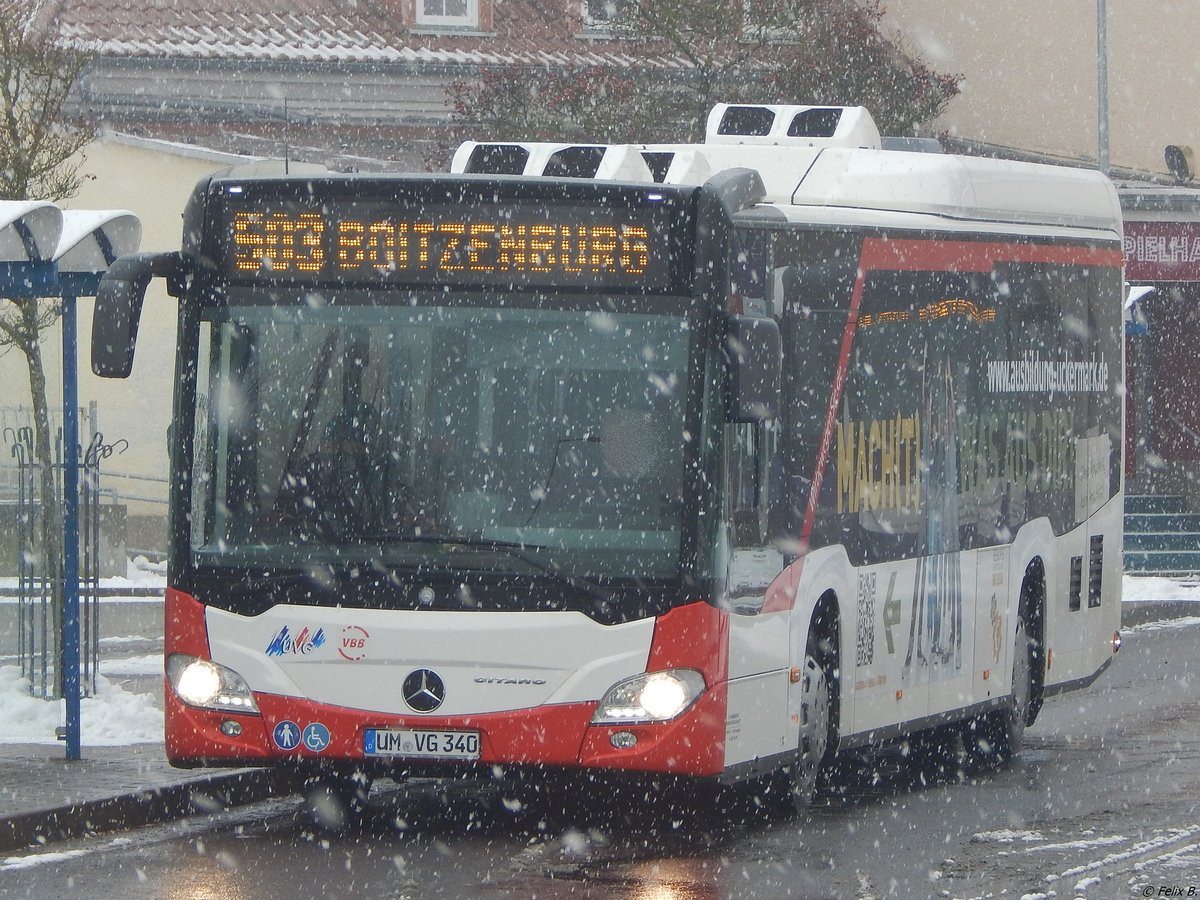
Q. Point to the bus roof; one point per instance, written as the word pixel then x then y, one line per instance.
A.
pixel 833 159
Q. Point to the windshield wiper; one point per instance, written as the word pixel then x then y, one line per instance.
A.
pixel 320 375
pixel 515 549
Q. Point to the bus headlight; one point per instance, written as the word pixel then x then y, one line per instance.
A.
pixel 652 697
pixel 204 683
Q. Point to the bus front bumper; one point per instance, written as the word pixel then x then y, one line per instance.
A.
pixel 290 730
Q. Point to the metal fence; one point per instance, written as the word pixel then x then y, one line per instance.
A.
pixel 118 486
pixel 16 423
pixel 40 582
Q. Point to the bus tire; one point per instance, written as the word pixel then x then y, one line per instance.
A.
pixel 814 734
pixel 1033 594
pixel 992 739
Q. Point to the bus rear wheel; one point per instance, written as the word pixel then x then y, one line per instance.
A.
pixel 992 739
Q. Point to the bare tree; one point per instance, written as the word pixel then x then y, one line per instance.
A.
pixel 686 55
pixel 39 160
pixel 37 73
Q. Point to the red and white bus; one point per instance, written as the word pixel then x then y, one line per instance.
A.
pixel 712 460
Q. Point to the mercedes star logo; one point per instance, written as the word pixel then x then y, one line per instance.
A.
pixel 423 690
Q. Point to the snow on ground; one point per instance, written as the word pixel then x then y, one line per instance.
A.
pixel 1182 622
pixel 132 665
pixel 140 573
pixel 1148 587
pixel 114 717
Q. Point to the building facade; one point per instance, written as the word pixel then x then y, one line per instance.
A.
pixel 1030 74
pixel 358 86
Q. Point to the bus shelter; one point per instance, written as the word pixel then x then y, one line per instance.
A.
pixel 51 253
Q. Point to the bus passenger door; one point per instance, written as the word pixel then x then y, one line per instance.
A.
pixel 758 723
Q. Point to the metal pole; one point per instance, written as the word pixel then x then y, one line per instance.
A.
pixel 71 686
pixel 1102 84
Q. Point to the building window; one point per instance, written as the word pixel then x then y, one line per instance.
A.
pixel 768 21
pixel 448 13
pixel 601 15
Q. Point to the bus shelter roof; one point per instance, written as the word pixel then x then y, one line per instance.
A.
pixel 46 251
pixel 93 238
pixel 29 230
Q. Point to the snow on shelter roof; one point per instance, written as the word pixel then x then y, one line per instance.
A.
pixel 92 238
pixel 29 230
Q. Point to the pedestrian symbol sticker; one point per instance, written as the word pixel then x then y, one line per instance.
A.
pixel 286 735
pixel 316 737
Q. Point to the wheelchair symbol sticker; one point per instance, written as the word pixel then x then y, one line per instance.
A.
pixel 316 737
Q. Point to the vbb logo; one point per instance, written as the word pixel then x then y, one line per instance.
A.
pixel 354 643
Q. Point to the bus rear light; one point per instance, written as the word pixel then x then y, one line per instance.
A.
pixel 208 685
pixel 652 697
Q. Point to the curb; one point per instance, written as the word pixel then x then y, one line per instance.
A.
pixel 211 793
pixel 1139 612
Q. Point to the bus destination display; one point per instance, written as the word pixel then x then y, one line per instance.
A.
pixel 359 243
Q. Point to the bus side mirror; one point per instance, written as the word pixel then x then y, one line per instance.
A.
pixel 753 362
pixel 119 307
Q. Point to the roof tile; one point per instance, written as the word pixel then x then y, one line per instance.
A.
pixel 334 30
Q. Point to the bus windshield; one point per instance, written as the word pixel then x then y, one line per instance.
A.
pixel 449 435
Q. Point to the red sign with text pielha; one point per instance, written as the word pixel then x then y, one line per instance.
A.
pixel 1162 251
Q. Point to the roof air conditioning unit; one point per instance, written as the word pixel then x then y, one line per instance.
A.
pixel 804 126
pixel 613 162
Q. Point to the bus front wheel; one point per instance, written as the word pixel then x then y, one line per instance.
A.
pixel 814 734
